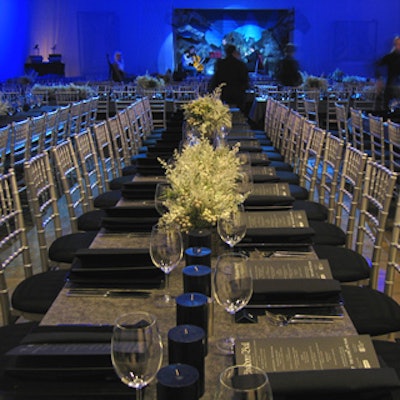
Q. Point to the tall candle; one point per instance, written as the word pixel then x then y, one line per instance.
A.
pixel 198 256
pixel 186 346
pixel 197 278
pixel 192 309
pixel 178 382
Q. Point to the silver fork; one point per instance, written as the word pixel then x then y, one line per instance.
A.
pixel 283 320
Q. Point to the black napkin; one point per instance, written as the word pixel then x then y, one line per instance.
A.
pixel 268 200
pixel 146 210
pixel 129 224
pixel 115 268
pixel 139 190
pixel 264 178
pixel 273 236
pixel 295 291
pixel 62 362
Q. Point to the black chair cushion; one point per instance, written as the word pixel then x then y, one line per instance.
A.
pixel 91 220
pixel 372 312
pixel 117 183
pixel 346 265
pixel 129 170
pixel 36 293
pixel 298 192
pixel 280 166
pixel 328 234
pixel 315 211
pixel 107 199
pixel 288 176
pixel 64 248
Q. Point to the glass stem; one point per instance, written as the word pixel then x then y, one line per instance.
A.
pixel 139 394
pixel 166 289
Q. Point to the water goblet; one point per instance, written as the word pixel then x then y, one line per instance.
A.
pixel 244 382
pixel 233 288
pixel 166 252
pixel 136 350
pixel 160 196
pixel 232 228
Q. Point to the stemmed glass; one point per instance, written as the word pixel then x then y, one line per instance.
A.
pixel 233 288
pixel 244 382
pixel 245 180
pixel 232 228
pixel 136 350
pixel 160 196
pixel 166 252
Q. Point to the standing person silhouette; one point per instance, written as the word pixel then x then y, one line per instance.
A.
pixel 233 73
pixel 391 90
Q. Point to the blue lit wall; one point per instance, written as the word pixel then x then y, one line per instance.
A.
pixel 14 26
pixel 349 34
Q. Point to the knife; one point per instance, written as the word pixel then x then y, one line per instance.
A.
pixel 108 293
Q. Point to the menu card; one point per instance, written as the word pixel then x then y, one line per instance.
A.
pixel 277 219
pixel 269 171
pixel 271 189
pixel 290 269
pixel 307 353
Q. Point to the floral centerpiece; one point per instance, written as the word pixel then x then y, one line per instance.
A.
pixel 208 114
pixel 149 82
pixel 315 82
pixel 203 185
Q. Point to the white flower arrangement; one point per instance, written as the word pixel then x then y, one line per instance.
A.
pixel 315 82
pixel 149 82
pixel 208 114
pixel 203 185
pixel 5 108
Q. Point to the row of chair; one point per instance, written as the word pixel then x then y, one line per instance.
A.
pixel 357 192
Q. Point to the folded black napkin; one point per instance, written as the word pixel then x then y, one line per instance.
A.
pixel 273 236
pixel 139 190
pixel 129 224
pixel 116 268
pixel 300 384
pixel 268 200
pixel 295 291
pixel 264 178
pixel 144 210
pixel 62 362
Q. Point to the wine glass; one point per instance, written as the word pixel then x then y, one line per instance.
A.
pixel 245 180
pixel 160 196
pixel 233 288
pixel 232 228
pixel 166 252
pixel 244 382
pixel 136 350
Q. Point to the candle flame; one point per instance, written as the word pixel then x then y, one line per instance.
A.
pixel 185 331
pixel 196 268
pixel 177 372
pixel 192 297
pixel 197 250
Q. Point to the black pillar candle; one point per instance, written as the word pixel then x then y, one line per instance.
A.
pixel 192 309
pixel 178 382
pixel 197 278
pixel 199 238
pixel 186 346
pixel 198 256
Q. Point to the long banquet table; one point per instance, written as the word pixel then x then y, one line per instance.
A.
pixel 103 311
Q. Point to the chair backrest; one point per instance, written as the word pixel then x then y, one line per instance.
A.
pixel 135 126
pixel 20 149
pixel 277 136
pixel 311 110
pixel 331 161
pixel 89 163
pixel 63 124
pixel 377 136
pixel 13 238
pixel 37 133
pixel 43 203
pixel 127 131
pixel 292 137
pixel 75 118
pixel 333 98
pixel 5 135
pixel 51 135
pixel 357 129
pixel 376 197
pixel 106 153
pixel 67 167
pixel 270 108
pixel 393 265
pixel 394 146
pixel 350 183
pixel 148 114
pixel 341 121
pixel 121 153
pixel 311 162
